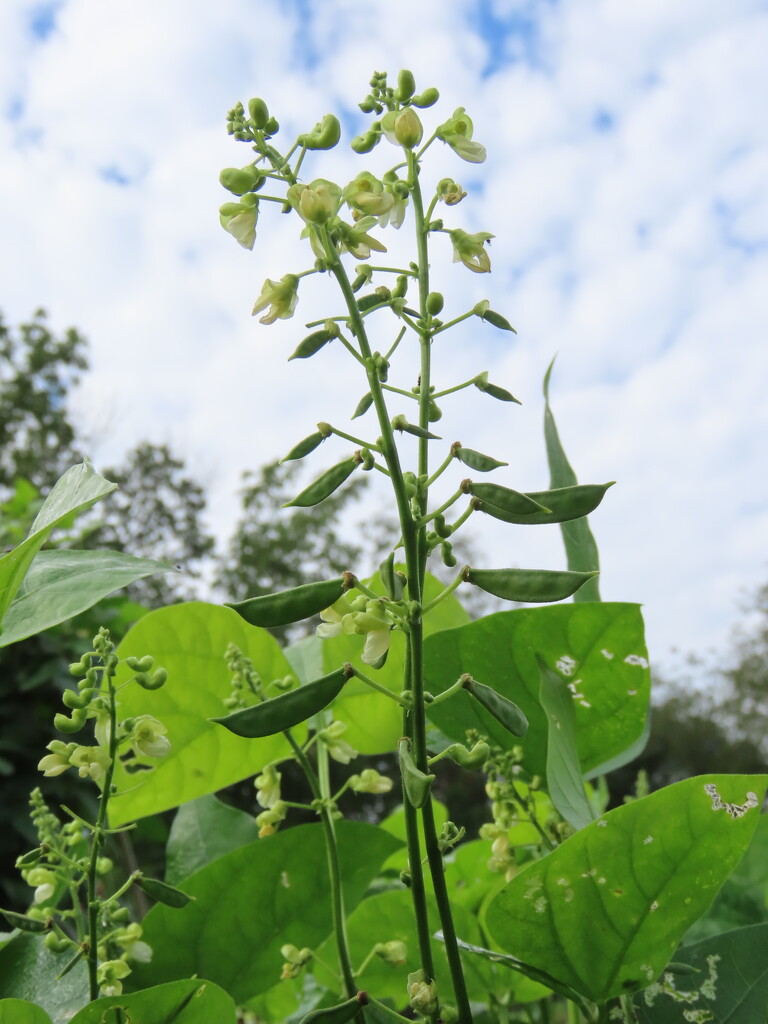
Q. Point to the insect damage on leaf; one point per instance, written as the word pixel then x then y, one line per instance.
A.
pixel 735 810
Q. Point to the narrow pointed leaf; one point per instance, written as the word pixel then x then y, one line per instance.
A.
pixel 292 605
pixel 505 711
pixel 528 585
pixel 565 784
pixel 580 545
pixel 605 911
pixel 289 709
pixel 325 485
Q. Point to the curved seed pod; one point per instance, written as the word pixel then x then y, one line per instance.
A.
pixel 325 485
pixel 311 344
pixel 565 504
pixel 528 585
pixel 506 500
pixel 163 893
pixel 337 1014
pixel 366 302
pixel 401 423
pixel 476 460
pixel 363 405
pixel 505 711
pixel 304 447
pixel 285 711
pixel 442 529
pixel 366 142
pixel 417 784
pixel 292 605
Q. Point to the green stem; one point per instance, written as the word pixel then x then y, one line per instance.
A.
pixel 356 440
pixel 443 508
pixel 441 597
pixel 452 323
pixel 457 387
pixel 377 686
pixel 441 468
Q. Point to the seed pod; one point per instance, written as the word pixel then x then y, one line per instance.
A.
pixel 564 503
pixel 312 343
pixel 24 923
pixel 304 447
pixel 505 711
pixel 286 606
pixel 469 759
pixel 528 585
pixel 368 105
pixel 476 460
pixel 27 859
pixel 81 952
pixel 78 668
pixel 401 423
pixel 497 320
pixel 337 1014
pixel 496 392
pixel 506 500
pixel 257 108
pixel 325 485
pixel 426 99
pixel 406 86
pixel 283 712
pixel 363 405
pixel 417 784
pixel 324 135
pixel 366 302
pixel 434 412
pixel 271 127
pixel 681 969
pixel 163 893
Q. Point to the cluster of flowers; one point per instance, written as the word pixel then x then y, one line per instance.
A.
pixel 362 616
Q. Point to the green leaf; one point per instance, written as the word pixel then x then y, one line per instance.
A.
pixel 77 490
pixel 201 831
pixel 61 584
pixel 604 912
pixel 564 779
pixel 731 981
pixel 19 1011
pixel 527 585
pixel 374 721
pixel 598 648
pixel 287 710
pixel 189 641
pixel 253 900
pixel 28 971
pixel 580 545
pixel 394 823
pixel 180 1002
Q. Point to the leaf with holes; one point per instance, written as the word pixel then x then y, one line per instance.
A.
pixel 180 1002
pixel 605 911
pixel 599 652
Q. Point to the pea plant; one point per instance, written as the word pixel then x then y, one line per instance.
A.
pixel 559 910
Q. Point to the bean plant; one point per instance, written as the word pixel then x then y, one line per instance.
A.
pixel 559 910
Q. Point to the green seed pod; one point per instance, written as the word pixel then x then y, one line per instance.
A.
pixel 304 447
pixel 239 181
pixel 257 108
pixel 163 893
pixel 28 859
pixel 565 504
pixel 496 319
pixel 406 86
pixel 428 98
pixel 363 405
pixel 24 923
pixel 506 500
pixel 145 664
pixel 503 710
pixel 401 286
pixel 434 303
pixel 325 134
pixel 287 606
pixel 289 709
pixel 417 784
pixel 469 759
pixel 325 485
pixel 311 344
pixel 434 412
pixel 447 555
pixel 366 302
pixel 494 391
pixel 340 1014
pixel 365 142
pixel 72 699
pixel 476 460
pixel 681 969
pixel 401 423
pixel 81 952
pixel 536 586
pixel 442 529
pixel 70 725
pixel 368 460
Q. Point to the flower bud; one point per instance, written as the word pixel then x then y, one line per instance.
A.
pixel 427 98
pixel 434 303
pixel 422 994
pixel 257 108
pixel 70 725
pixel 408 128
pixel 246 179
pixel 394 952
pixel 406 86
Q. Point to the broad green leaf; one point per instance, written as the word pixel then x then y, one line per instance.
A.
pixel 189 641
pixel 28 971
pixel 467 875
pixel 374 721
pixel 388 917
pixel 63 583
pixel 255 899
pixel 394 823
pixel 730 983
pixel 203 830
pixel 180 1002
pixel 77 490
pixel 306 658
pixel 598 649
pixel 605 911
pixel 19 1011
pixel 580 545
pixel 564 780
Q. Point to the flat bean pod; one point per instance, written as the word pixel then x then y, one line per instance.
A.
pixel 528 585
pixel 292 605
pixel 476 460
pixel 565 503
pixel 325 485
pixel 506 500
pixel 311 344
pixel 304 447
pixel 505 711
pixel 283 712
pixel 163 893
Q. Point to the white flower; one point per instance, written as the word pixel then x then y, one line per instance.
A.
pixel 148 737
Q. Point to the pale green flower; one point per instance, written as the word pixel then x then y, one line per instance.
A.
pixel 317 202
pixel 338 748
pixel 281 297
pixel 370 781
pixel 457 132
pixel 268 787
pixel 130 941
pixel 239 219
pixel 148 737
pixel 367 194
pixel 91 762
pixel 470 249
pixel 58 760
pixel 109 976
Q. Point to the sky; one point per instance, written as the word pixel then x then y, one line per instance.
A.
pixel 626 186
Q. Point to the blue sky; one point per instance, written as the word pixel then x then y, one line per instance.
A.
pixel 626 185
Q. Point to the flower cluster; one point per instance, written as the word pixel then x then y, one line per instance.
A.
pixel 362 616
